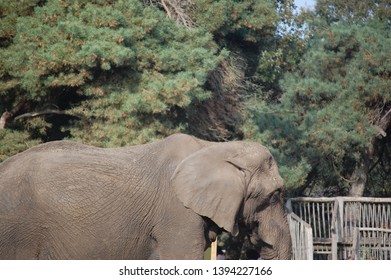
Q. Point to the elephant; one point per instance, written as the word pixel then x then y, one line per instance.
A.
pixel 167 199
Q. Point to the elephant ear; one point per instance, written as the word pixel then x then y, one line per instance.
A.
pixel 212 185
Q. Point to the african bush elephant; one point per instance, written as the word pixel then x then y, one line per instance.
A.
pixel 163 200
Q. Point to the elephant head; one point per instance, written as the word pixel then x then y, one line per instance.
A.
pixel 237 185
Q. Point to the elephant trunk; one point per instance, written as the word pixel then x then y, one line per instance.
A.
pixel 276 242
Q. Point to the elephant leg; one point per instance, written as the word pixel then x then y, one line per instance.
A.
pixel 182 249
pixel 154 256
pixel 153 252
pixel 182 242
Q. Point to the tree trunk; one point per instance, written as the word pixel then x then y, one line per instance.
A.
pixel 360 174
pixel 4 118
pixel 359 178
pixel 7 115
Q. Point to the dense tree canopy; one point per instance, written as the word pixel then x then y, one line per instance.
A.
pixel 117 67
pixel 113 73
pixel 312 86
pixel 330 126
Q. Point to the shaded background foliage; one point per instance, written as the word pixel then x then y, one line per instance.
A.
pixel 313 86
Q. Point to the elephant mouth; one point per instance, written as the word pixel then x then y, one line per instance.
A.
pixel 267 252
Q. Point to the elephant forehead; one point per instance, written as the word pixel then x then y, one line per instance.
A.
pixel 255 150
pixel 265 182
pixel 254 155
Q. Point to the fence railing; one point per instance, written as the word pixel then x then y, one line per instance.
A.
pixel 301 233
pixel 337 223
pixel 371 244
pixel 320 214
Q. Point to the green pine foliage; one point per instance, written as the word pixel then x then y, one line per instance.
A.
pixel 310 86
pixel 244 20
pixel 353 11
pixel 114 73
pixel 129 72
pixel 327 115
pixel 13 142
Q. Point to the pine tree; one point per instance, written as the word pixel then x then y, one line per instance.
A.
pixel 113 73
pixel 330 125
pixel 122 70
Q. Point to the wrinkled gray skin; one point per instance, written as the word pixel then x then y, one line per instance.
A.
pixel 167 200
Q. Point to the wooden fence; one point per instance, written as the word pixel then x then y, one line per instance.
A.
pixel 371 244
pixel 301 233
pixel 343 227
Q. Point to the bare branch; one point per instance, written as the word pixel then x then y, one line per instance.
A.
pixel 383 124
pixel 166 8
pixel 385 121
pixel 379 131
pixel 46 112
pixel 176 9
pixel 180 9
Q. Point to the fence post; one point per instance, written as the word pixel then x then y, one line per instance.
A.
pixel 213 250
pixel 302 240
pixel 356 244
pixel 340 218
pixel 310 242
pixel 335 230
pixel 288 206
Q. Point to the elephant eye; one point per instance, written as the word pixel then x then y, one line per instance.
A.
pixel 270 161
pixel 275 196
